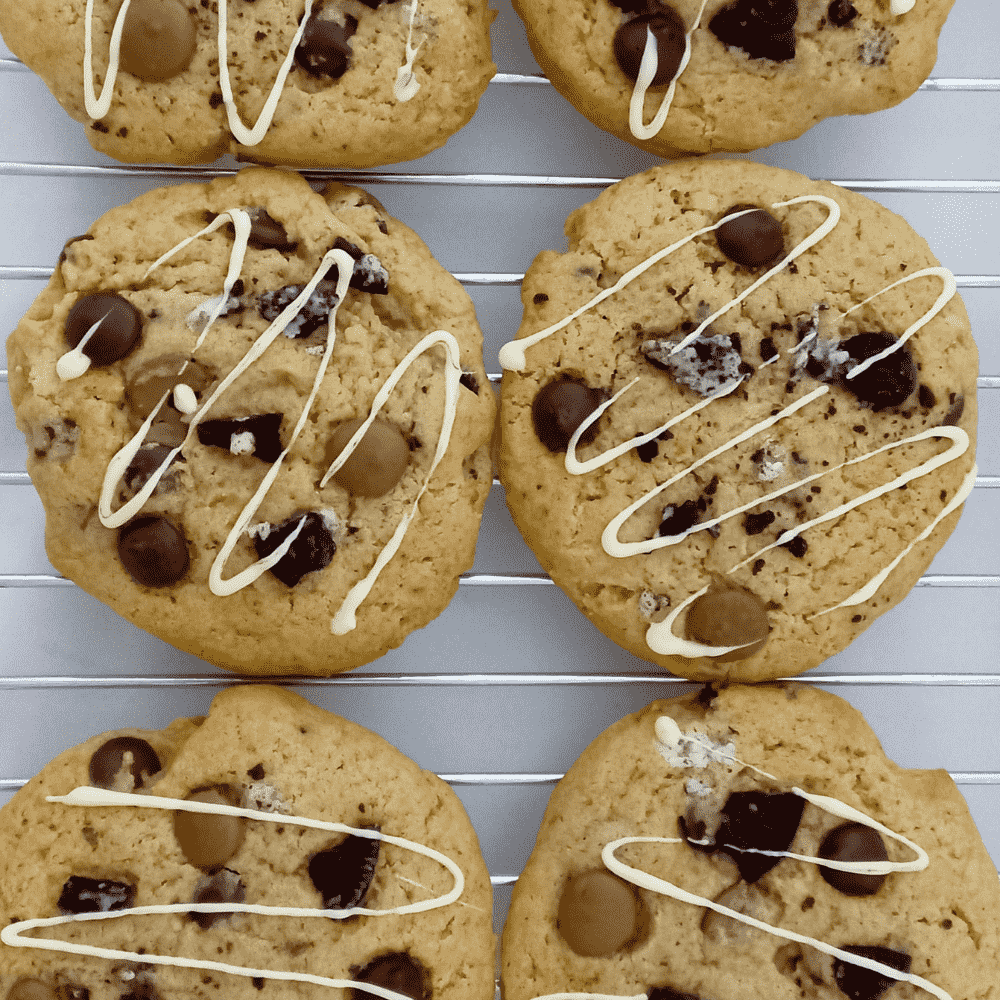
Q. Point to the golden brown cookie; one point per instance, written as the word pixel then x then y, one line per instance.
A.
pixel 365 868
pixel 769 388
pixel 190 450
pixel 308 83
pixel 730 74
pixel 754 842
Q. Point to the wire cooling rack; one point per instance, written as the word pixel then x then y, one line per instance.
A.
pixel 506 688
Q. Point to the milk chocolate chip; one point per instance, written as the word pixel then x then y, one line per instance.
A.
pixel 153 550
pixel 325 49
pixel 668 30
pixel 887 382
pixel 864 984
pixel 560 407
pixel 395 971
pixel 343 873
pixel 753 240
pixel 599 914
pixel 92 895
pixel 376 464
pixel 207 840
pixel 313 548
pixel 118 333
pixel 853 842
pixel 123 763
pixel 31 989
pixel 159 39
pixel 729 617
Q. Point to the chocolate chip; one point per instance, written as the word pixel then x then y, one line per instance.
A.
pixel 313 549
pixel 599 914
pixel 153 550
pixel 841 13
pixel 926 397
pixel 342 873
pixel 264 441
pixel 267 233
pixel 648 451
pixel 955 411
pixel 395 971
pixel 767 349
pixel 764 29
pixel 758 821
pixel 92 895
pixel 853 842
pixel 256 772
pixel 376 464
pixel 669 993
pixel 678 518
pixel 224 886
pixel 68 244
pixel 758 565
pixel 470 382
pixel 145 462
pixel 325 49
pixel 31 989
pixel 887 382
pixel 159 39
pixel 729 617
pixel 754 524
pixel 118 333
pixel 560 407
pixel 310 317
pixel 864 984
pixel 668 30
pixel 123 757
pixel 539 298
pixel 208 840
pixel 753 240
pixel 798 546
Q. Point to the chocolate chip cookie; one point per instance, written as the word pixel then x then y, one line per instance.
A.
pixel 270 849
pixel 699 76
pixel 754 842
pixel 739 418
pixel 259 422
pixel 308 83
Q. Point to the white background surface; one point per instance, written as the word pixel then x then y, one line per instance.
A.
pixel 507 687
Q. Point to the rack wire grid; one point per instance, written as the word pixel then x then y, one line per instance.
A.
pixel 503 691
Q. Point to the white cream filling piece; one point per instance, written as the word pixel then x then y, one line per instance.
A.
pixel 12 934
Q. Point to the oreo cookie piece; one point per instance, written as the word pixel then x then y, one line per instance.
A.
pixel 192 450
pixel 619 899
pixel 777 390
pixel 341 822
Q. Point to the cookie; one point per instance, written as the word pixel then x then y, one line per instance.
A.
pixel 320 857
pixel 307 83
pixel 739 418
pixel 702 76
pixel 752 843
pixel 258 420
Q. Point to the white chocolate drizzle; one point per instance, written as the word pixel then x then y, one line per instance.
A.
pixel 12 934
pixel 647 70
pixel 660 636
pixel 344 619
pixel 406 85
pixel 75 363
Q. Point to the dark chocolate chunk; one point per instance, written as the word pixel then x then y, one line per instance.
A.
pixel 395 971
pixel 325 49
pixel 887 382
pixel 668 30
pixel 753 240
pixel 256 772
pixel 754 822
pixel 560 407
pixel 312 549
pixel 343 873
pixel 669 993
pixel 841 13
pixel 225 886
pixel 264 428
pixel 767 349
pixel 310 317
pixel 864 984
pixel 764 29
pixel 470 382
pixel 108 760
pixel 267 233
pixel 955 411
pixel 926 397
pixel 754 524
pixel 853 842
pixel 92 895
pixel 798 546
pixel 153 550
pixel 648 451
pixel 145 462
pixel 678 518
pixel 539 298
pixel 118 333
